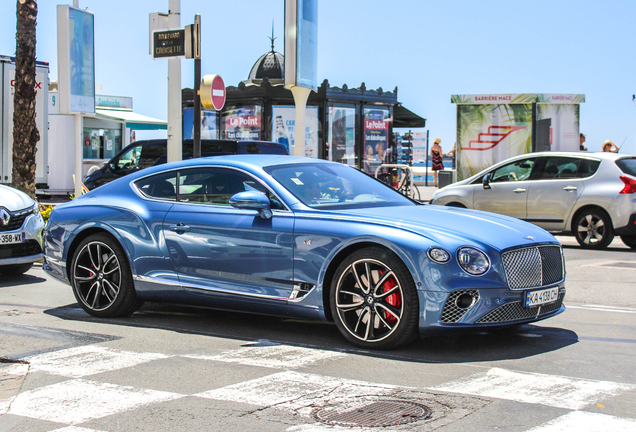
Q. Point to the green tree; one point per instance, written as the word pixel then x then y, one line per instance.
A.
pixel 25 132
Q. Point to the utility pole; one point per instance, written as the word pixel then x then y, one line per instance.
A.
pixel 175 127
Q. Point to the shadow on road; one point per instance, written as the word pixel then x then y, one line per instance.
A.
pixel 444 347
pixel 25 279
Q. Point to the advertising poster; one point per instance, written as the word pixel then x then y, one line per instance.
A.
pixel 242 123
pixel 82 62
pixel 376 138
pixel 420 147
pixel 283 130
pixel 209 128
pixel 341 135
pixel 491 128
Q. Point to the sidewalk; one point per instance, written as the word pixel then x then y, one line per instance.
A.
pixel 426 192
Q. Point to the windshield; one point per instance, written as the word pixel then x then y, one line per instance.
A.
pixel 335 186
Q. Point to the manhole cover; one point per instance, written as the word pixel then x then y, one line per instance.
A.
pixel 375 414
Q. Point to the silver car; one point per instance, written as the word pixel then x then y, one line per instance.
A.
pixel 21 226
pixel 589 195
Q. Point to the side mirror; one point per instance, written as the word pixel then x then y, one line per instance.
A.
pixel 486 181
pixel 252 200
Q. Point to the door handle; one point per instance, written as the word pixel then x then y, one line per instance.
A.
pixel 179 228
pixel 519 190
pixel 569 188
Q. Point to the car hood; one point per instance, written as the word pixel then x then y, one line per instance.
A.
pixel 443 224
pixel 13 199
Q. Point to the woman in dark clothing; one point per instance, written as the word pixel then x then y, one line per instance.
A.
pixel 436 158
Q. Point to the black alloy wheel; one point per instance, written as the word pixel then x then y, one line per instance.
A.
pixel 102 279
pixel 629 240
pixel 374 301
pixel 593 229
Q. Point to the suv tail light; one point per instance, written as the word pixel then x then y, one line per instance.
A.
pixel 630 185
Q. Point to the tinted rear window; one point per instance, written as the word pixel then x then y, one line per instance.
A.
pixel 628 166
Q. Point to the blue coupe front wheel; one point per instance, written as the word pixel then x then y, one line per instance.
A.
pixel 374 300
pixel 102 279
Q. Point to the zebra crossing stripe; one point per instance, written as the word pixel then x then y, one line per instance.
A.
pixel 268 354
pixel 289 388
pixel 551 390
pixel 88 360
pixel 580 421
pixel 76 401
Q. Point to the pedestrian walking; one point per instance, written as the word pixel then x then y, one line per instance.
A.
pixel 609 146
pixel 436 158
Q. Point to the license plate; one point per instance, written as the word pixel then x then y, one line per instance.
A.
pixel 11 238
pixel 538 298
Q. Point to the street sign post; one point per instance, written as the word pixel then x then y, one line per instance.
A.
pixel 212 92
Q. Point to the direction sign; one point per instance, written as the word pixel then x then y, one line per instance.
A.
pixel 212 92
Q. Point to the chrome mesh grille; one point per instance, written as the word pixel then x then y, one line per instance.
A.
pixel 533 267
pixel 515 311
pixel 451 312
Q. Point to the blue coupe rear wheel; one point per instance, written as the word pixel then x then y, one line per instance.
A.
pixel 101 278
pixel 374 300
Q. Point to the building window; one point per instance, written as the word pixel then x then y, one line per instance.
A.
pixel 101 143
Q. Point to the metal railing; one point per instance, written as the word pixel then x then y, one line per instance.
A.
pixel 405 179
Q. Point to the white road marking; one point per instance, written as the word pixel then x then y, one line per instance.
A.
pixel 15 369
pixel 579 421
pixel 272 355
pixel 289 388
pixel 88 360
pixel 18 369
pixel 604 308
pixel 74 429
pixel 76 401
pixel 551 390
pixel 324 428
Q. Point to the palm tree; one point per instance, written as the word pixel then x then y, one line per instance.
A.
pixel 25 132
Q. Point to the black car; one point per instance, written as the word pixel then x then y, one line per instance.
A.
pixel 147 153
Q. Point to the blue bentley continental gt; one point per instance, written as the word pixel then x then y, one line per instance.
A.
pixel 303 238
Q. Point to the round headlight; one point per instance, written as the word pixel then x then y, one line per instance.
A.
pixel 438 255
pixel 473 261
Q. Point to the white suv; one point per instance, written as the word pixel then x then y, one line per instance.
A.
pixel 589 195
pixel 21 228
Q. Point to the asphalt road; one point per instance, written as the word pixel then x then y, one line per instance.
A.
pixel 183 369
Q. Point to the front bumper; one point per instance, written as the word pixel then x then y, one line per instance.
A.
pixel 30 250
pixel 491 308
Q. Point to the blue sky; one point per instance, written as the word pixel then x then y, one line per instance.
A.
pixel 429 50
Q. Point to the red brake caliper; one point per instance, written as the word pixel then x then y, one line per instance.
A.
pixel 393 299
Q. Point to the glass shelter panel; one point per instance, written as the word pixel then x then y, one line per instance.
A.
pixel 341 133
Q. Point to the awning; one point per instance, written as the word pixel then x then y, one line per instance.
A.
pixel 133 120
pixel 404 118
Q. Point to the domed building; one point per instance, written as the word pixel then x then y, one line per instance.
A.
pixel 348 125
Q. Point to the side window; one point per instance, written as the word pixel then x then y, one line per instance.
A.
pixel 130 159
pixel 161 186
pixel 217 185
pixel 568 168
pixel 151 153
pixel 515 171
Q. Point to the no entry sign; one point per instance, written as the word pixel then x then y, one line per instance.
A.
pixel 212 92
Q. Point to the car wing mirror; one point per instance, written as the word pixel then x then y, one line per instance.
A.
pixel 252 200
pixel 486 181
